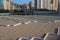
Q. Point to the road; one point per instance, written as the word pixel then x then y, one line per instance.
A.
pixel 43 18
pixel 36 17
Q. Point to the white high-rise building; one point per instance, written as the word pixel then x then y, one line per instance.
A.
pixel 32 5
pixel 37 4
pixel 49 4
pixel 42 4
pixel 46 4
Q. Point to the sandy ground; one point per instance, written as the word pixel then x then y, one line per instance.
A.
pixel 26 30
pixel 30 30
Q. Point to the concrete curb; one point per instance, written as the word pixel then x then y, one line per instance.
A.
pixel 17 24
pixel 2 25
pixel 36 38
pixel 8 25
pixel 23 38
pixel 27 22
pixel 35 21
pixel 57 21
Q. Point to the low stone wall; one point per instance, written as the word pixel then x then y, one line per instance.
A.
pixel 1 14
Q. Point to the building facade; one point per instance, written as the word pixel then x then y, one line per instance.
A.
pixel 46 4
pixel 8 5
pixel 55 4
pixel 37 4
pixel 5 4
pixel 32 5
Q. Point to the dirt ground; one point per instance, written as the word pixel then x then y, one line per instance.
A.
pixel 29 30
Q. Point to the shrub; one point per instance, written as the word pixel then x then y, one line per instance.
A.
pixel 4 11
pixel 44 10
pixel 17 12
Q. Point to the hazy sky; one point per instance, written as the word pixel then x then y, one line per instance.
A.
pixel 0 2
pixel 22 1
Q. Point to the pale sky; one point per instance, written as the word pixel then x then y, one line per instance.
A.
pixel 22 1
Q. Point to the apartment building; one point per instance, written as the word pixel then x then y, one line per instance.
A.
pixel 8 5
pixel 37 4
pixel 12 6
pixel 5 4
pixel 32 5
pixel 46 4
pixel 55 4
pixel 27 6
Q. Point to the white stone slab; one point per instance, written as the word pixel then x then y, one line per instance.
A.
pixel 35 37
pixel 17 24
pixel 35 21
pixel 57 21
pixel 27 22
pixel 7 25
pixel 23 38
